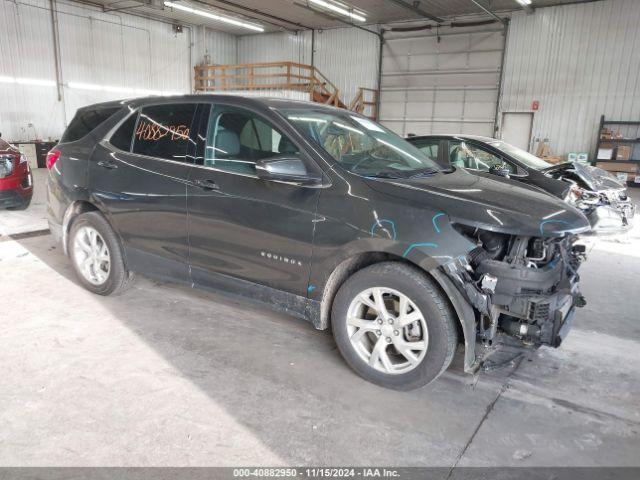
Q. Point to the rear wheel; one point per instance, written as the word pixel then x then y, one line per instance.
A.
pixel 393 326
pixel 96 255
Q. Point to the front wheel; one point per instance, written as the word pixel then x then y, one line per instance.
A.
pixel 393 326
pixel 96 255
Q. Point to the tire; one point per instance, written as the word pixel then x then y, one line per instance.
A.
pixel 23 206
pixel 389 281
pixel 100 279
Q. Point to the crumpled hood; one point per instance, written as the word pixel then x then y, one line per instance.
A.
pixel 497 204
pixel 595 178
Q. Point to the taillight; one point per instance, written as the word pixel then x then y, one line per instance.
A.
pixel 52 158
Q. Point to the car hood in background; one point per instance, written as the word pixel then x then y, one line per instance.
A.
pixel 594 178
pixel 496 204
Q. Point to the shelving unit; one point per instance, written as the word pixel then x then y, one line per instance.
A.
pixel 618 141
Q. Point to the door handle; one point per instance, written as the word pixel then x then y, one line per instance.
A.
pixel 108 164
pixel 207 184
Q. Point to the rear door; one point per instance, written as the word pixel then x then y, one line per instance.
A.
pixel 138 177
pixel 245 231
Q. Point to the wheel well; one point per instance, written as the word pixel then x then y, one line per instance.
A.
pixel 76 208
pixel 353 264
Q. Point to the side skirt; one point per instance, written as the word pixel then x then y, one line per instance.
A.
pixel 253 293
pixel 175 272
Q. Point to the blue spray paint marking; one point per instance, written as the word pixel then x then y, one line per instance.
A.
pixel 550 221
pixel 433 220
pixel 379 223
pixel 311 288
pixel 414 245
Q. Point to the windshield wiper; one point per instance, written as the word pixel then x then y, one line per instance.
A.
pixel 389 174
pixel 425 172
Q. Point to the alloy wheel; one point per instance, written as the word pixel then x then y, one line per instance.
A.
pixel 387 330
pixel 91 255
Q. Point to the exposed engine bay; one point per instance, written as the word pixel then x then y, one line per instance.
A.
pixel 597 194
pixel 525 288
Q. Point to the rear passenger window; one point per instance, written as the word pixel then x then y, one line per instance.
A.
pixel 124 134
pixel 466 155
pixel 163 131
pixel 237 139
pixel 85 121
pixel 429 147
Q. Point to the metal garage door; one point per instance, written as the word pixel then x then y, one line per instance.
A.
pixel 446 83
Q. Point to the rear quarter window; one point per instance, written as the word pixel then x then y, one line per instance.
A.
pixel 122 137
pixel 85 121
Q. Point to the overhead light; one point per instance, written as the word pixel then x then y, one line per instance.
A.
pixel 524 3
pixel 342 9
pixel 28 81
pixel 213 16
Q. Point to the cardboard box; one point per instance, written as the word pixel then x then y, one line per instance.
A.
pixel 618 167
pixel 606 134
pixel 623 152
pixel 605 153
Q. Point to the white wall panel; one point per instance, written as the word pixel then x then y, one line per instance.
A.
pixel 130 55
pixel 579 61
pixel 275 47
pixel 26 51
pixel 221 47
pixel 349 58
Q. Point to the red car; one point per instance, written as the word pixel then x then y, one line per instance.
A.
pixel 16 180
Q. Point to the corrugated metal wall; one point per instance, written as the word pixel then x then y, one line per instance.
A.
pixel 26 51
pixel 221 47
pixel 275 47
pixel 129 55
pixel 579 61
pixel 347 56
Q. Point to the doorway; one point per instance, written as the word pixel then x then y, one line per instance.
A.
pixel 516 128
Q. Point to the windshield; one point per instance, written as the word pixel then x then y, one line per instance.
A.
pixel 525 157
pixel 359 144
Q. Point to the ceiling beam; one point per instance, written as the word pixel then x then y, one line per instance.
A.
pixel 489 12
pixel 418 10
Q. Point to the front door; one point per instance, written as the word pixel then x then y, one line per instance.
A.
pixel 139 177
pixel 246 233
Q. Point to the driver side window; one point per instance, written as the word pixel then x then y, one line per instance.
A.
pixel 237 139
pixel 466 155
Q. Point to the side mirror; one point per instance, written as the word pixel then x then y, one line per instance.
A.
pixel 501 170
pixel 286 168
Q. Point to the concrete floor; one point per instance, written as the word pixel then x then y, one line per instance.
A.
pixel 14 222
pixel 164 375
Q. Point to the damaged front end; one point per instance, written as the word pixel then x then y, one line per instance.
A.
pixel 521 287
pixel 602 199
pixel 608 211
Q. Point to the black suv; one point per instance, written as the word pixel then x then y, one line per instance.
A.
pixel 323 214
